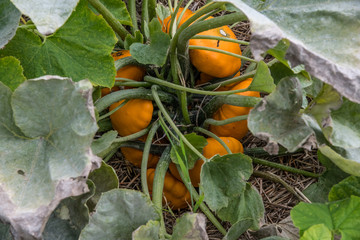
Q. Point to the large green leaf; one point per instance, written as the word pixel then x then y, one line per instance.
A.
pixel 190 226
pixel 262 82
pixel 46 128
pixel 317 36
pixel 155 52
pixel 5 232
pixel 120 212
pixel 340 216
pixel 276 118
pixel 118 9
pixel 69 218
pixel 247 206
pixel 48 15
pixel 317 232
pixel 79 49
pixel 345 189
pixel 11 73
pixel 150 231
pixel 9 21
pixel 223 179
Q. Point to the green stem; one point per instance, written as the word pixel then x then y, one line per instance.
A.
pixel 277 179
pixel 284 168
pixel 211 121
pixel 144 15
pixel 203 207
pixel 210 134
pixel 158 186
pixel 112 111
pixel 225 39
pixel 259 151
pixel 122 62
pixel 110 18
pixel 221 51
pixel 145 157
pixel 139 93
pixel 132 136
pixel 133 84
pixel 191 90
pixel 172 124
pixel 132 11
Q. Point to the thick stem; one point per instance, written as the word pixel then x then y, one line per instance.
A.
pixel 110 18
pixel 144 15
pixel 158 186
pixel 133 84
pixel 211 121
pixel 112 111
pixel 139 93
pixel 284 168
pixel 132 11
pixel 210 134
pixel 225 39
pixel 145 157
pixel 172 124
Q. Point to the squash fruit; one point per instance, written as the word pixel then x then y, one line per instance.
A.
pixel 238 129
pixel 130 71
pixel 175 193
pixel 213 63
pixel 166 24
pixel 134 116
pixel 211 149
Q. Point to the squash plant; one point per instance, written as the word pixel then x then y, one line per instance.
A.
pixel 58 60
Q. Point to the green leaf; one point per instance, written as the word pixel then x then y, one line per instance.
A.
pixel 317 232
pixel 156 52
pixel 319 191
pixel 150 231
pixel 237 229
pixel 118 9
pixel 120 212
pixel 274 238
pixel 262 82
pixel 247 206
pixel 199 142
pixel 101 144
pixel 8 22
pixel 11 73
pixel 190 226
pixel 317 37
pixel 276 118
pixel 223 179
pixel 45 149
pixel 69 218
pixel 129 39
pixel 105 179
pixel 340 216
pixel 162 11
pixel 79 49
pixel 5 231
pixel 48 15
pixel 345 189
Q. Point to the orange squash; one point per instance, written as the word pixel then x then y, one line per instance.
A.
pixel 213 63
pixel 166 24
pixel 175 193
pixel 130 71
pixel 238 129
pixel 211 149
pixel 134 116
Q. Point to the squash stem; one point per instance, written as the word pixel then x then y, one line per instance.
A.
pixel 284 168
pixel 145 156
pixel 210 134
pixel 172 124
pixel 132 11
pixel 110 19
pixel 158 186
pixel 112 111
pixel 225 39
pixel 211 121
pixel 144 16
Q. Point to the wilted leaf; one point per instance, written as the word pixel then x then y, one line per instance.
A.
pixel 190 226
pixel 45 149
pixel 345 189
pixel 9 21
pixel 120 212
pixel 79 49
pixel 247 206
pixel 105 179
pixel 156 52
pixel 317 232
pixel 277 119
pixel 118 9
pixel 69 218
pixel 11 73
pixel 262 82
pixel 317 36
pixel 150 231
pixel 340 216
pixel 223 179
pixel 48 15
pixel 199 142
